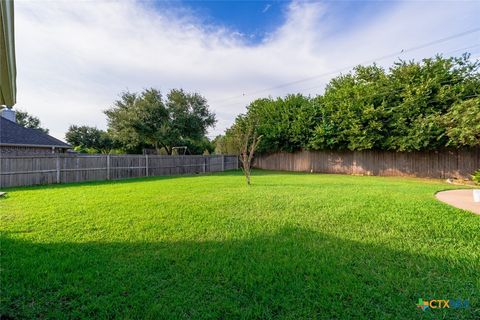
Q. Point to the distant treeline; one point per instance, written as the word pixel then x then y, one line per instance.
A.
pixel 426 105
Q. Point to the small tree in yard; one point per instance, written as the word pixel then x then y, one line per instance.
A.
pixel 247 138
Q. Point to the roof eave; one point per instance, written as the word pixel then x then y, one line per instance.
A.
pixel 34 145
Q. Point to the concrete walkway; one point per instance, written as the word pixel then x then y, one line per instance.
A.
pixel 462 199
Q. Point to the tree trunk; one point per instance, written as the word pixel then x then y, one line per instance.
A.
pixel 168 150
pixel 247 175
pixel 246 166
pixel 249 142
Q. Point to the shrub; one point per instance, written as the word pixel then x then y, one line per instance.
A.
pixel 476 176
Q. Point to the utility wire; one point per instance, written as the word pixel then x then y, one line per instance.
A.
pixel 399 90
pixel 452 81
pixel 461 49
pixel 446 82
pixel 422 46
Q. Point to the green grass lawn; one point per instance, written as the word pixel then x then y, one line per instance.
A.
pixel 294 246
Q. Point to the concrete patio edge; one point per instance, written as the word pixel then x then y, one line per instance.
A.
pixel 462 199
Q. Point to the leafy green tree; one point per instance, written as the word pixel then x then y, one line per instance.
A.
pixel 137 121
pixel 29 121
pixel 420 93
pixel 352 114
pixel 149 120
pixel 462 123
pixel 199 146
pixel 225 144
pixel 425 105
pixel 89 139
pixel 285 124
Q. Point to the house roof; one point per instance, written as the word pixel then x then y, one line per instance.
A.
pixel 13 134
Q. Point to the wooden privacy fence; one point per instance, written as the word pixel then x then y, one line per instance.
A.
pixel 47 169
pixel 428 164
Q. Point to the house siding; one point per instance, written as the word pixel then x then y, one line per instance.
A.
pixel 22 150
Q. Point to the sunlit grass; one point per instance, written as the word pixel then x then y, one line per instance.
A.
pixel 290 246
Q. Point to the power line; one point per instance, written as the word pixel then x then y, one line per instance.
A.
pixel 464 48
pixel 391 55
pixel 452 81
pixel 399 90
pixel 446 82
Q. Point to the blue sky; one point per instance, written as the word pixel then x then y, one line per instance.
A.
pixel 74 58
pixel 253 19
pixel 256 20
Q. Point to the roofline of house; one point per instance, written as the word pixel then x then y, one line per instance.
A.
pixel 34 145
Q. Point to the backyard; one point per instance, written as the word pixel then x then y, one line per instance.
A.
pixel 292 245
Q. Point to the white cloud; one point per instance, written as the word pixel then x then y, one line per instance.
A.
pixel 74 58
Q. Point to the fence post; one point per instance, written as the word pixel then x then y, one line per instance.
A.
pixel 57 164
pixel 236 163
pixel 108 166
pixel 146 165
pixel 77 167
pixel 223 162
pixel 204 164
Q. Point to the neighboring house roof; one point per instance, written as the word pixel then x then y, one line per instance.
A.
pixel 13 134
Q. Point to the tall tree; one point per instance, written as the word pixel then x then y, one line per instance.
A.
pixel 225 144
pixel 351 112
pixel 463 123
pixel 149 120
pixel 85 138
pixel 284 123
pixel 420 94
pixel 422 105
pixel 29 121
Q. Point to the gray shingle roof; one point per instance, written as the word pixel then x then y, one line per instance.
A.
pixel 12 133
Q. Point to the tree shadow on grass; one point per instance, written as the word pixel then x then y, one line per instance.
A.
pixel 292 274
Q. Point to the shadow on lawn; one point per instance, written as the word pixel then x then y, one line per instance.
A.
pixel 293 274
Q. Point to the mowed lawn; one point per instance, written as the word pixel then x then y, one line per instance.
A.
pixel 292 246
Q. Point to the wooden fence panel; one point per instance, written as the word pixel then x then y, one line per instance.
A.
pixel 230 163
pixel 48 169
pixel 215 164
pixel 87 168
pixel 127 166
pixel 28 171
pixel 160 165
pixel 427 164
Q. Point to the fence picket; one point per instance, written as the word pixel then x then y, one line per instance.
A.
pixel 46 169
pixel 426 164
